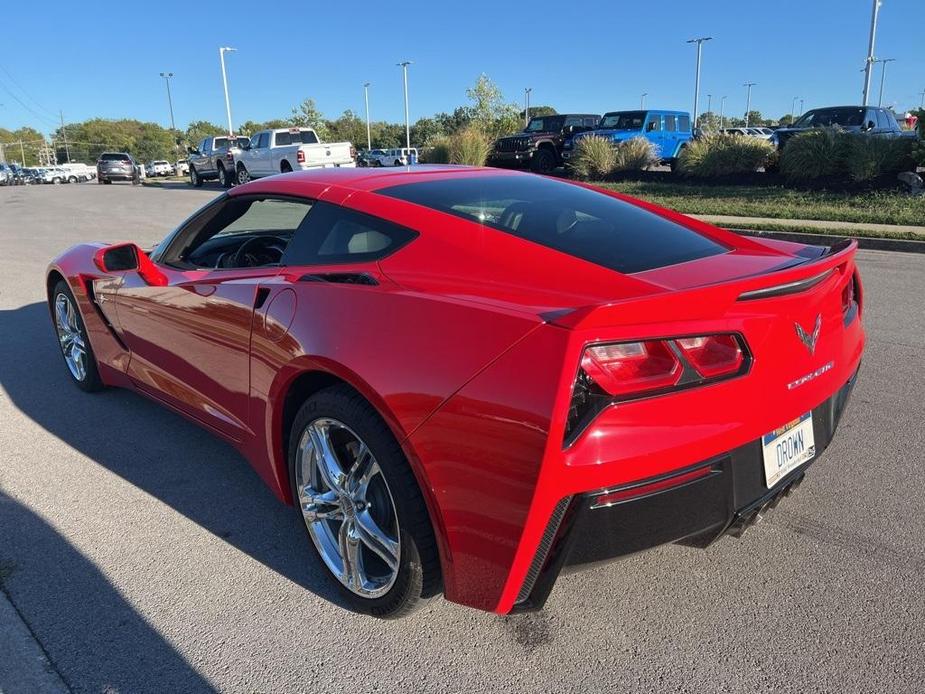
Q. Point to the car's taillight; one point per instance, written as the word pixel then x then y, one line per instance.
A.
pixel 300 157
pixel 632 367
pixel 620 371
pixel 712 355
pixel 851 299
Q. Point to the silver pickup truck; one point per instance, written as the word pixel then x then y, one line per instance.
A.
pixel 213 158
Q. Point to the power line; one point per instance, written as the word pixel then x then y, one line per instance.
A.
pixel 23 90
pixel 45 119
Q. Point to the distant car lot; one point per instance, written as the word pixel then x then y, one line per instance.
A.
pixel 156 539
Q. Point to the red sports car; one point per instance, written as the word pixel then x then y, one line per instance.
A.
pixel 466 379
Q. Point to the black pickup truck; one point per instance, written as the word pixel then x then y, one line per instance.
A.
pixel 539 145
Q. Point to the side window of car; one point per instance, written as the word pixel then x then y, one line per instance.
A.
pixel 335 235
pixel 653 123
pixel 264 140
pixel 282 139
pixel 245 231
pixel 883 120
pixel 573 120
pixel 591 122
pixel 670 124
pixel 202 145
pixel 684 124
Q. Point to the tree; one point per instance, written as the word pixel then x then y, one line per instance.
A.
pixel 349 127
pixel 755 118
pixel 489 112
pixel 307 115
pixel 31 139
pixel 787 119
pixel 537 111
pixel 709 121
pixel 201 129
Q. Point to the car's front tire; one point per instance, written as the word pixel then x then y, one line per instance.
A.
pixel 194 178
pixel 543 161
pixel 361 505
pixel 73 340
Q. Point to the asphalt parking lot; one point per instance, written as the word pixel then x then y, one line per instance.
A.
pixel 146 555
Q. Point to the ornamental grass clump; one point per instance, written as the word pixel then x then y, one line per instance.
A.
pixel 634 154
pixel 719 155
pixel 594 158
pixel 468 146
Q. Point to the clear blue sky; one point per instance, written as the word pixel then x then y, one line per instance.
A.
pixel 594 59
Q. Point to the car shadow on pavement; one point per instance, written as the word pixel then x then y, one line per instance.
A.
pixel 183 466
pixel 94 638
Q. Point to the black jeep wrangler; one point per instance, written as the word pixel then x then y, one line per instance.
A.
pixel 539 145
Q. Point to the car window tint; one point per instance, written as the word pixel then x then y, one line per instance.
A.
pixel 670 123
pixel 883 120
pixel 306 137
pixel 335 234
pixel 684 123
pixel 281 139
pixel 653 123
pixel 568 218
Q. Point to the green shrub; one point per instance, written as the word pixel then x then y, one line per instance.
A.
pixel 867 158
pixel 634 155
pixel 438 152
pixel 468 146
pixel 594 157
pixel 831 153
pixel 818 153
pixel 719 155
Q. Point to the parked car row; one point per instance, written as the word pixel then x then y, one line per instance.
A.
pixel 239 159
pixel 63 173
pixel 401 156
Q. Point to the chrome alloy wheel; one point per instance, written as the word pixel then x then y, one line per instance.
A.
pixel 69 335
pixel 347 507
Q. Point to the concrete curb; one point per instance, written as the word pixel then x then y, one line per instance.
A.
pixel 866 242
pixel 24 667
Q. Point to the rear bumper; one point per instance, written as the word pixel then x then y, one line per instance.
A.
pixel 510 159
pixel 693 506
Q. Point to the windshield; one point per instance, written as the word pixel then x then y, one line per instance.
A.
pixel 546 124
pixel 625 120
pixel 582 223
pixel 845 117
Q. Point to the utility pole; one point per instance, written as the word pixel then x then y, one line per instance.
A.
pixel 722 113
pixel 699 42
pixel 369 139
pixel 748 100
pixel 221 57
pixel 869 65
pixel 67 151
pixel 527 91
pixel 793 105
pixel 642 101
pixel 709 103
pixel 404 66
pixel 801 107
pixel 883 62
pixel 22 153
pixel 922 102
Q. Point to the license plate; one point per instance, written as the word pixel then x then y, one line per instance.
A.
pixel 787 447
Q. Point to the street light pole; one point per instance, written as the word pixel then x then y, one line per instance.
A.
pixel 642 101
pixel 369 139
pixel 404 66
pixel 67 151
pixel 722 113
pixel 173 127
pixel 527 91
pixel 883 61
pixel 793 105
pixel 869 65
pixel 221 56
pixel 801 107
pixel 748 100
pixel 699 42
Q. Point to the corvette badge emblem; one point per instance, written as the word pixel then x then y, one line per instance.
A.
pixel 809 340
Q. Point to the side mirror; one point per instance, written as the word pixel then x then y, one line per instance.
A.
pixel 870 126
pixel 125 257
pixel 192 150
pixel 568 130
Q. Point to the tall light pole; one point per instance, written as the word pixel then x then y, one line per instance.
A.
pixel 404 67
pixel 173 127
pixel 642 101
pixel 793 105
pixel 801 107
pixel 722 113
pixel 221 57
pixel 921 103
pixel 869 65
pixel 748 100
pixel 527 91
pixel 883 61
pixel 699 42
pixel 67 151
pixel 369 139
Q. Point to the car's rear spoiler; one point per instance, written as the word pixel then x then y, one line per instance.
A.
pixel 712 299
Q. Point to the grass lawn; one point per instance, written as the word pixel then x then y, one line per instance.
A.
pixel 884 207
pixel 831 231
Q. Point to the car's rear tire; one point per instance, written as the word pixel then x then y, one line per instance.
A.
pixel 285 167
pixel 243 175
pixel 357 497
pixel 194 178
pixel 73 339
pixel 543 161
pixel 72 179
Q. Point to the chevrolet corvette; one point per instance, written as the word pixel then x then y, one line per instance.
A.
pixel 465 380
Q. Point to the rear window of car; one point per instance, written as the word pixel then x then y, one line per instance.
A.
pixel 113 156
pixel 583 223
pixel 304 137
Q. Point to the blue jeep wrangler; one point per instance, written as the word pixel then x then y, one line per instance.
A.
pixel 669 131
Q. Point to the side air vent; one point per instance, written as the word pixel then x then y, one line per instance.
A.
pixel 542 552
pixel 340 278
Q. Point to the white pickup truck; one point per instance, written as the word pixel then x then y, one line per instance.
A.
pixel 289 149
